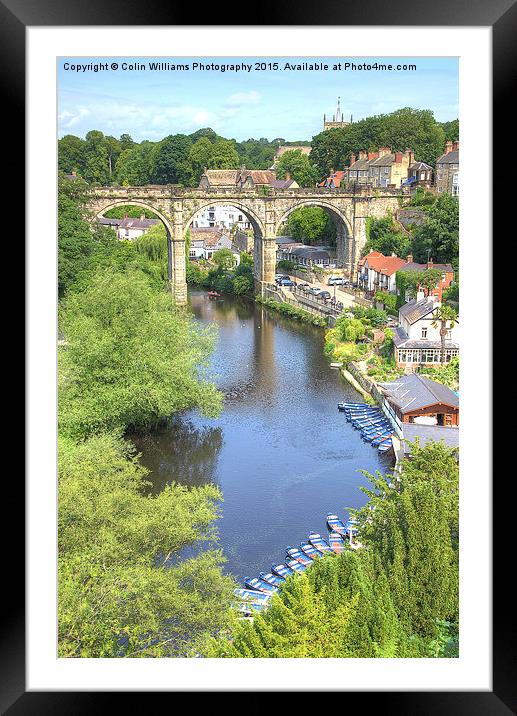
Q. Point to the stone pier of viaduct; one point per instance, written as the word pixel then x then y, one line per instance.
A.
pixel 266 210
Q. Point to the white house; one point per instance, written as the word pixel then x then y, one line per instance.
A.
pixel 204 242
pixel 377 272
pixel 222 216
pixel 129 228
pixel 417 339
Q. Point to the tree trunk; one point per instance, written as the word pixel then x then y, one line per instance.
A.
pixel 443 333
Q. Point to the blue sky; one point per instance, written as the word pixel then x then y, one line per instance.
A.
pixel 150 104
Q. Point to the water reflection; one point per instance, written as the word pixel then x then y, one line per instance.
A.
pixel 281 453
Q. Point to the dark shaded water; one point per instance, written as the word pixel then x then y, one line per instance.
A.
pixel 280 452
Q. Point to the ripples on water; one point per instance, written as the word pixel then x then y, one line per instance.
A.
pixel 280 452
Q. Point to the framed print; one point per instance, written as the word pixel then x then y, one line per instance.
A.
pixel 246 468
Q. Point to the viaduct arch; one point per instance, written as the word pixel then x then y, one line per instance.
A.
pixel 266 210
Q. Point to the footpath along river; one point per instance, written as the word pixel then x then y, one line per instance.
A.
pixel 281 453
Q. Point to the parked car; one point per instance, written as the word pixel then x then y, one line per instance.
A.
pixel 337 281
pixel 323 294
pixel 314 290
pixel 286 282
pixel 280 277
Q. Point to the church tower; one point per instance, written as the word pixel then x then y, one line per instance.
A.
pixel 338 120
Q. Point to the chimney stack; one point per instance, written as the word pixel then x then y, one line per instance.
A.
pixel 373 155
pixel 398 157
pixel 456 146
pixel 384 150
pixel 430 264
pixel 142 217
pixel 448 147
pixel 352 159
pixel 409 258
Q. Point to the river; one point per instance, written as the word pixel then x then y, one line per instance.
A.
pixel 281 453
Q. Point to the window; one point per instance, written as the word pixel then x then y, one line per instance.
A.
pixel 448 335
pixel 424 334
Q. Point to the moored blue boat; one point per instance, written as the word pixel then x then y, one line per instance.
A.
pixel 336 541
pixel 298 555
pixel 296 566
pixel 334 524
pixel 282 570
pixel 260 585
pixel 271 578
pixel 248 608
pixel 317 541
pixel 310 551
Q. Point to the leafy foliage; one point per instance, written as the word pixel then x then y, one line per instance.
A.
pixel 121 590
pixel 297 166
pixel 311 225
pixel 130 360
pixel 383 235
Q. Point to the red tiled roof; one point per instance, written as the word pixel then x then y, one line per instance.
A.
pixel 372 254
pixel 386 265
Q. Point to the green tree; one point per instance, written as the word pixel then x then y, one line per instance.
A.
pixel 444 317
pixel 170 160
pixel 438 236
pixel 134 165
pixel 349 329
pixel 71 154
pixel 298 167
pixel 385 236
pixel 223 155
pixel 311 225
pixel 79 241
pixel 224 259
pixel 412 525
pixel 130 360
pixel 199 156
pixel 119 591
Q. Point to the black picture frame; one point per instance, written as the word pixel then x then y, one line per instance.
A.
pixel 501 16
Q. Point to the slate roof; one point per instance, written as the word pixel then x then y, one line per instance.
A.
pixel 311 252
pixel 360 164
pixel 385 161
pixel 450 158
pixel 411 431
pixel 416 166
pixel 412 266
pixel 129 223
pixel 414 310
pixel 282 183
pixel 281 240
pixel 109 222
pixel 413 391
pixel 402 340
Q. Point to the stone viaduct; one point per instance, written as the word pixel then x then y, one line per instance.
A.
pixel 265 208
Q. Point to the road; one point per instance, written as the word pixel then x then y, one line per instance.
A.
pixel 346 298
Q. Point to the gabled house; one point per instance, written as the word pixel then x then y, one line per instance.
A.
pixel 219 179
pixel 252 178
pixel 445 281
pixel 448 170
pixel 204 242
pixel 418 400
pixel 334 180
pixel 357 172
pixel 129 228
pixel 390 168
pixel 377 272
pixel 417 338
pixel 419 174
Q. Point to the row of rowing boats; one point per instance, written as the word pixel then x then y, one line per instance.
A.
pixel 374 425
pixel 257 591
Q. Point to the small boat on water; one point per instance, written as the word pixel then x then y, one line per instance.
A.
pixel 344 406
pixel 214 294
pixel 251 595
pixel 351 526
pixel 377 441
pixel 334 524
pixel 310 551
pixel 317 541
pixel 260 585
pixel 297 567
pixel 336 541
pixel 271 578
pixel 384 447
pixel 299 556
pixel 282 570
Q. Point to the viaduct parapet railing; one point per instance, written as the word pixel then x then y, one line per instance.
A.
pixel 266 209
